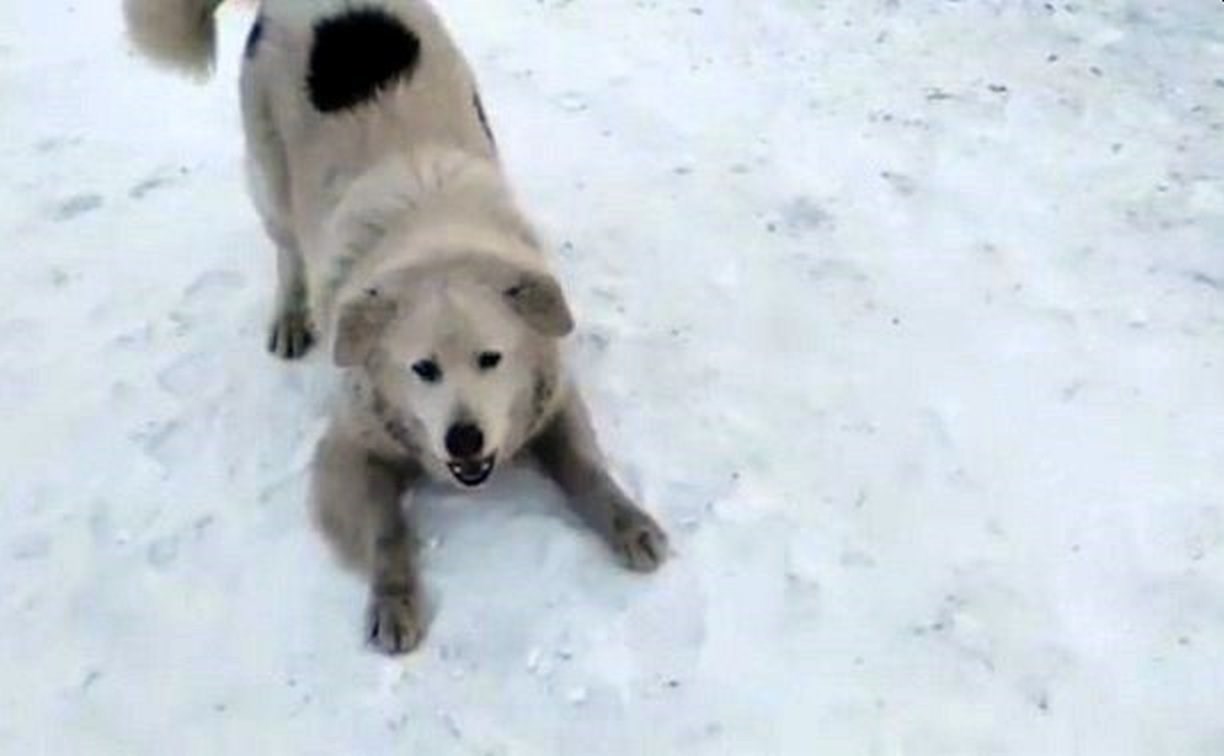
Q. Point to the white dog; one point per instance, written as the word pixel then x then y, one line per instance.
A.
pixel 399 244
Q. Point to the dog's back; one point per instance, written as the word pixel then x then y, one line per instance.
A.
pixel 389 67
pixel 347 88
pixel 343 85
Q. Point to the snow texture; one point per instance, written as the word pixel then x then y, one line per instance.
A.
pixel 905 316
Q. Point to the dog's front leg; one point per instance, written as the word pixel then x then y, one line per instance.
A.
pixel 357 504
pixel 570 455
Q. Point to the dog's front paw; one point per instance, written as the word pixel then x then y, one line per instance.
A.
pixel 292 334
pixel 638 539
pixel 392 624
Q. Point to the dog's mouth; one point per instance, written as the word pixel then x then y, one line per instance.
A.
pixel 473 472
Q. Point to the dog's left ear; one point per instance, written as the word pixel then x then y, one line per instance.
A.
pixel 538 299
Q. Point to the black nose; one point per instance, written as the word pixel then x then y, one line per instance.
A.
pixel 464 440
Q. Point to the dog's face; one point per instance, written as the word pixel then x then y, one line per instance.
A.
pixel 456 359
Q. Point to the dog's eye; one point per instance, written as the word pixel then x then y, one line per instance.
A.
pixel 489 360
pixel 428 371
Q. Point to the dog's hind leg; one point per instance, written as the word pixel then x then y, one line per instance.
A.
pixel 356 502
pixel 570 455
pixel 292 332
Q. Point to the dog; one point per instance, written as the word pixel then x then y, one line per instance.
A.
pixel 375 172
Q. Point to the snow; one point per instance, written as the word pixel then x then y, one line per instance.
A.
pixel 905 316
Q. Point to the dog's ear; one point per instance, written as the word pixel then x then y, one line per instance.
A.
pixel 360 325
pixel 538 299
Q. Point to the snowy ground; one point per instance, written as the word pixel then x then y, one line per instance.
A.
pixel 906 316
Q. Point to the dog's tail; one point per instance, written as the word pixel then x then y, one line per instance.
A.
pixel 176 33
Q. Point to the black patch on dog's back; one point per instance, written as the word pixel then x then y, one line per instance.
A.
pixel 252 43
pixel 484 118
pixel 356 55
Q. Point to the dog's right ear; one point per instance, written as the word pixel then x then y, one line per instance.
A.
pixel 360 325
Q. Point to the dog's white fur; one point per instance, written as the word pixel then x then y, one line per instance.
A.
pixel 398 240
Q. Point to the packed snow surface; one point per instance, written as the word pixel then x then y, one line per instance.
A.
pixel 906 317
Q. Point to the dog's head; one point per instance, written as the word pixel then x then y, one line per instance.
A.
pixel 460 356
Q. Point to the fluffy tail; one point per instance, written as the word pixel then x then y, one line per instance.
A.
pixel 176 33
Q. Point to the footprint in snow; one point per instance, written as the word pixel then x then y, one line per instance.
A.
pixel 212 283
pixel 75 207
pixel 154 183
pixel 188 375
